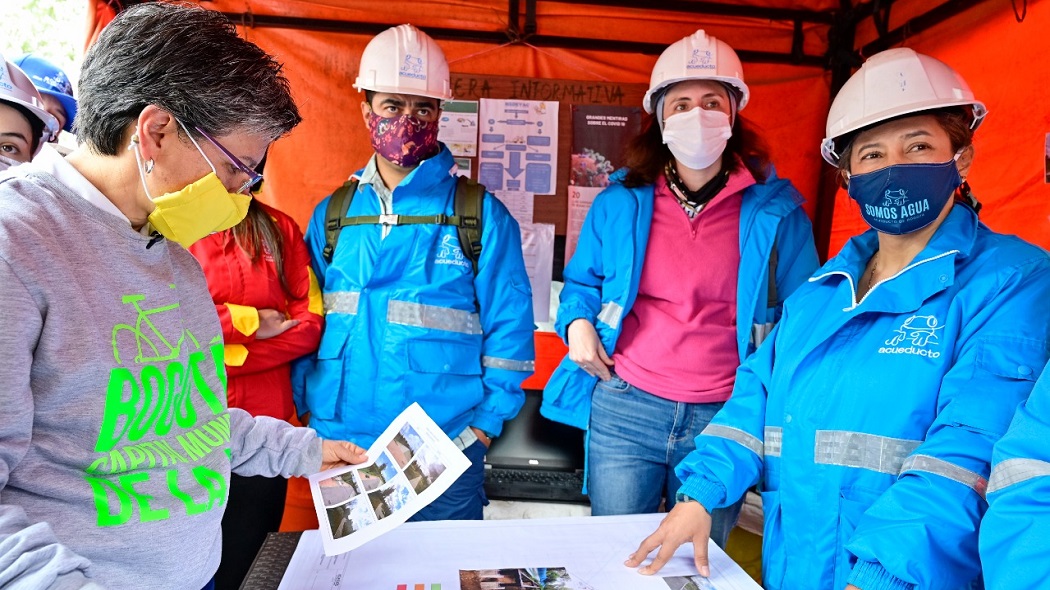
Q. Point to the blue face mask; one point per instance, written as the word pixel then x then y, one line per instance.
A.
pixel 904 198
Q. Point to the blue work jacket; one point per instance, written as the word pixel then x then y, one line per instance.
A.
pixel 871 424
pixel 1015 542
pixel 601 279
pixel 407 321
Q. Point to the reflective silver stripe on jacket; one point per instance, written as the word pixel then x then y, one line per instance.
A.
pixel 928 464
pixel 341 302
pixel 774 436
pixel 1015 471
pixel 759 333
pixel 736 435
pixel 508 364
pixel 433 317
pixel 866 451
pixel 611 314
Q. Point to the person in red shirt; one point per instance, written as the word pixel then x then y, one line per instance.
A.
pixel 271 311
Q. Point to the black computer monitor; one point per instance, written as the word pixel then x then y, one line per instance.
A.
pixel 530 441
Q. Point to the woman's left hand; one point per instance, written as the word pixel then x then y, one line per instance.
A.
pixel 337 453
pixel 851 587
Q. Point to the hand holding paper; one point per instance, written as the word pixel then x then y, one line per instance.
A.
pixel 409 466
pixel 339 453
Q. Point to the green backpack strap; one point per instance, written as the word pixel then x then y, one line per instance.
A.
pixel 467 205
pixel 338 205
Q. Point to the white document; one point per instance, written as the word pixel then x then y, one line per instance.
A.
pixel 519 145
pixel 537 246
pixel 458 127
pixel 430 555
pixel 580 200
pixel 410 465
pixel 520 204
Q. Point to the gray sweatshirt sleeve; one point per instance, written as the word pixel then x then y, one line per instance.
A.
pixel 30 554
pixel 271 447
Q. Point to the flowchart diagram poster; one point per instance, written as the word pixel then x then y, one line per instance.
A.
pixel 519 145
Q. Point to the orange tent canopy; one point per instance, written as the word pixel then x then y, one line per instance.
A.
pixel 795 53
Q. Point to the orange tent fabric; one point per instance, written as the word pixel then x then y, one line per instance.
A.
pixel 1004 63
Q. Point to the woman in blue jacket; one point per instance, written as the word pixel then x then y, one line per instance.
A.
pixel 679 274
pixel 870 414
pixel 1014 543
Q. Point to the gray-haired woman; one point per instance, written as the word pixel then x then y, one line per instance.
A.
pixel 117 445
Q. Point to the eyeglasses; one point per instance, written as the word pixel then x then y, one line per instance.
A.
pixel 254 177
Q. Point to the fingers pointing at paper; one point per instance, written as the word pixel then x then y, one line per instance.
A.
pixel 337 453
pixel 687 522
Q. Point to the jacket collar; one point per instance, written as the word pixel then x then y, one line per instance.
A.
pixel 954 239
pixel 428 174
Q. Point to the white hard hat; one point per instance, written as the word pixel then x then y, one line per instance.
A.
pixel 697 57
pixel 16 88
pixel 404 60
pixel 892 83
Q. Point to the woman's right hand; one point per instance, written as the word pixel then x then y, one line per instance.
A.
pixel 586 350
pixel 273 323
pixel 687 522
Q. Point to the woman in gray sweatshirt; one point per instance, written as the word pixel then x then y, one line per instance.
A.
pixel 116 445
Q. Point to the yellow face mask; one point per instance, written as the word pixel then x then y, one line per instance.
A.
pixel 196 210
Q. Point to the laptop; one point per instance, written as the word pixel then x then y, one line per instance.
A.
pixel 536 459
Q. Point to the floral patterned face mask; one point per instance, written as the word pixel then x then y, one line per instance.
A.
pixel 405 140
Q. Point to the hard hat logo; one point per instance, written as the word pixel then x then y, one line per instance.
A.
pixel 701 60
pixel 412 67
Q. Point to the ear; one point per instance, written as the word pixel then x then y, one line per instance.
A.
pixel 366 109
pixel 964 162
pixel 155 129
pixel 843 178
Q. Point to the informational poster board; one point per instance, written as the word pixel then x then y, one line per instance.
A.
pixel 458 127
pixel 519 145
pixel 600 135
pixel 566 93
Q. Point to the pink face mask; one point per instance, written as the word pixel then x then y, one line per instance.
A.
pixel 404 140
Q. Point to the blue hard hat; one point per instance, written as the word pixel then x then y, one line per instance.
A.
pixel 51 80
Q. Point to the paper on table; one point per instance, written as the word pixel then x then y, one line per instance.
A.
pixel 592 549
pixel 410 465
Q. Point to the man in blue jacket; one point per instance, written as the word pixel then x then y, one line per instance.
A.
pixel 407 318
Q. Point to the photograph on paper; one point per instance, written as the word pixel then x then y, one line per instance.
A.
pixel 529 578
pixel 410 465
pixel 689 583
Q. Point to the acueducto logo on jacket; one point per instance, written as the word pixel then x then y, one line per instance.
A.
pixel 917 335
pixel 449 252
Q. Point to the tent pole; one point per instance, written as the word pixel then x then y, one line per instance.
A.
pixel 918 24
pixel 254 20
pixel 841 59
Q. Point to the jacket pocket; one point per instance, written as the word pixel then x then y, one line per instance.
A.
pixel 324 384
pixel 614 385
pixel 774 558
pixel 425 356
pixel 853 503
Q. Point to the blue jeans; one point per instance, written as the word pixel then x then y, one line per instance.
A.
pixel 465 498
pixel 636 440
